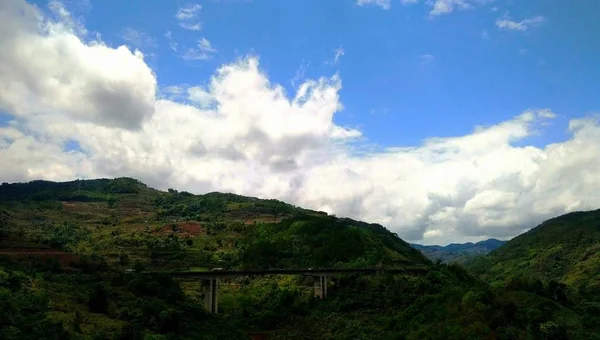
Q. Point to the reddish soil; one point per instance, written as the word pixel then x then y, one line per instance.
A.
pixel 129 205
pixel 63 258
pixel 84 207
pixel 71 206
pixel 185 229
pixel 132 209
pixel 192 228
pixel 264 219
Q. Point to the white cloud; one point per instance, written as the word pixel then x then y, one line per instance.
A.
pixel 173 92
pixel 173 46
pixel 339 52
pixel 203 51
pixel 138 39
pixel 199 96
pixel 45 66
pixel 61 12
pixel 507 24
pixel 547 114
pixel 187 17
pixel 242 133
pixel 189 12
pixel 300 73
pixel 385 4
pixel 440 7
pixel 191 26
pixel 426 59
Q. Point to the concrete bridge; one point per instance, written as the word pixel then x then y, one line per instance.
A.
pixel 210 279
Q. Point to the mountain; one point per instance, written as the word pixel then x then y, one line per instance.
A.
pixel 565 248
pixel 219 229
pixel 458 252
pixel 66 250
pixel 559 259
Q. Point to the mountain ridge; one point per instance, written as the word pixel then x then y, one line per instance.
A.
pixel 131 205
pixel 458 252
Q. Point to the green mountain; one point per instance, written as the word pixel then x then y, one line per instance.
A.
pixel 565 248
pixel 562 254
pixel 67 250
pixel 458 252
pixel 108 217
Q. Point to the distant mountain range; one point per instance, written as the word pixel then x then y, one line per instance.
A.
pixel 458 252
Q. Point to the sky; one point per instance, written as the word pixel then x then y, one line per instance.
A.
pixel 443 120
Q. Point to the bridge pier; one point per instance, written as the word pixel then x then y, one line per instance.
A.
pixel 210 279
pixel 211 302
pixel 320 286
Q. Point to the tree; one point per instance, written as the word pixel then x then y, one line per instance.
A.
pixel 98 299
pixel 123 259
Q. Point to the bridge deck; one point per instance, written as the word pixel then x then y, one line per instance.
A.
pixel 307 272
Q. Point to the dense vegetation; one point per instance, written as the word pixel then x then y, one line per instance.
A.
pixel 565 248
pixel 459 252
pixel 562 253
pixel 67 250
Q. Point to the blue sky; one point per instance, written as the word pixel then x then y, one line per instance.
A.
pixel 473 118
pixel 406 75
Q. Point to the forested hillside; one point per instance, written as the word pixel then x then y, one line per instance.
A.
pixel 565 248
pixel 562 253
pixel 67 251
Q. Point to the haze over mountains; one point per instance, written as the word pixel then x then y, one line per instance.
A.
pixel 458 251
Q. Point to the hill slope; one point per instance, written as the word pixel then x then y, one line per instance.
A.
pixel 458 252
pixel 565 248
pixel 65 248
pixel 559 259
pixel 123 216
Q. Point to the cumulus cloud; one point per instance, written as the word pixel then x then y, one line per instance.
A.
pixel 61 12
pixel 506 23
pixel 199 96
pixel 240 132
pixel 46 67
